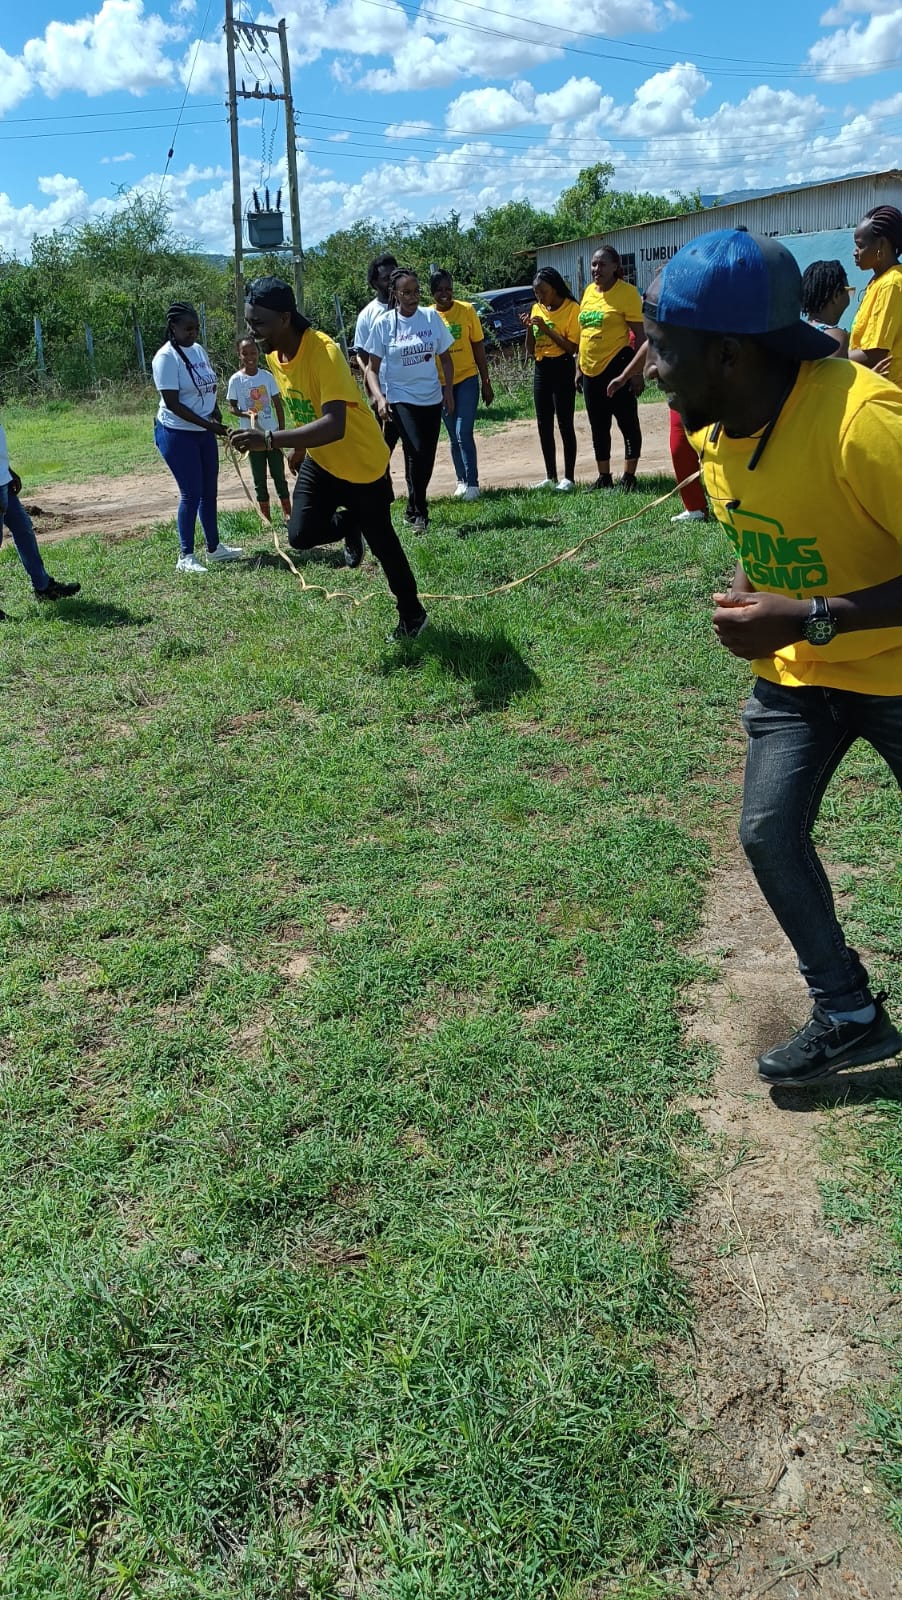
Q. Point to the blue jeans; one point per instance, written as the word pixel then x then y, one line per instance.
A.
pixel 797 738
pixel 460 430
pixel 17 520
pixel 193 459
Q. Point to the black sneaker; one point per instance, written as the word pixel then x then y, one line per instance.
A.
pixel 57 591
pixel 409 629
pixel 824 1046
pixel 604 480
pixel 3 617
pixel 629 483
pixel 354 549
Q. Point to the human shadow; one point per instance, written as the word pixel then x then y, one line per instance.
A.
pixel 856 1087
pixel 317 556
pixel 505 521
pixel 489 662
pixel 80 613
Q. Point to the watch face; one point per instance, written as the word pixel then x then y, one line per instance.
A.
pixel 820 630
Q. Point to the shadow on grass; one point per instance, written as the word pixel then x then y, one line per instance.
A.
pixel 318 556
pixel 489 662
pixel 881 1082
pixel 504 521
pixel 79 613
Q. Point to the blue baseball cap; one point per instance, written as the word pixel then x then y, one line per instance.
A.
pixel 733 281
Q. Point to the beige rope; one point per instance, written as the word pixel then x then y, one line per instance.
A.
pixel 484 594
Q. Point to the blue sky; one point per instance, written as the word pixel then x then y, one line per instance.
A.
pixel 407 109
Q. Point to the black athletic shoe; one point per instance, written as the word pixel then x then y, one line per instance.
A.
pixel 57 591
pixel 410 629
pixel 824 1046
pixel 604 480
pixel 354 550
pixel 3 617
pixel 629 483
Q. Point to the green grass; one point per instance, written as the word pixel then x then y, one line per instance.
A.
pixel 343 1081
pixel 67 441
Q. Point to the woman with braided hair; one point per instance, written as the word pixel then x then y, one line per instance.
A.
pixel 185 432
pixel 876 337
pixel 825 299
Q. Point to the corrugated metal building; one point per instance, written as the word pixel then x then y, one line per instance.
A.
pixel 815 223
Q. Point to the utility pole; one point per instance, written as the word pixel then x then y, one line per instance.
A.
pixel 248 31
pixel 294 203
pixel 236 167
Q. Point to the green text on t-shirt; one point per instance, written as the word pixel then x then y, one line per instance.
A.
pixel 300 409
pixel 772 561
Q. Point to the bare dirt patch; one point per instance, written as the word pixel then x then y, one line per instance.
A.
pixel 789 1315
pixel 114 508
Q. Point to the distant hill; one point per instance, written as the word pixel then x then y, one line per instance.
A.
pixel 734 196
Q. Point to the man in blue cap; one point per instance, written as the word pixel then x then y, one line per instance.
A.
pixel 802 462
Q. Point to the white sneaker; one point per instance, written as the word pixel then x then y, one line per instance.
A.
pixel 225 552
pixel 547 483
pixel 189 564
pixel 565 485
pixel 471 492
pixel 461 490
pixel 690 516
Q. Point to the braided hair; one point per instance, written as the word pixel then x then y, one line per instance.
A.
pixel 886 223
pixel 176 313
pixel 820 283
pixel 395 279
pixel 552 277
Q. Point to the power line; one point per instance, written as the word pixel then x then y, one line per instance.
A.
pixel 81 133
pixel 130 111
pixel 178 120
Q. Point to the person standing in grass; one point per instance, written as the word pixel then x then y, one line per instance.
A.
pixel 552 338
pixel 254 393
pixel 684 458
pixel 802 460
pixel 408 347
pixel 14 517
pixel 610 312
pixel 471 376
pixel 342 489
pixel 187 426
pixel 876 337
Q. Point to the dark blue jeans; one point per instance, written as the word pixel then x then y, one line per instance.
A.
pixel 460 430
pixel 193 459
pixel 797 739
pixel 14 516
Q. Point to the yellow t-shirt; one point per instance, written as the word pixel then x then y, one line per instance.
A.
pixel 820 514
pixel 878 320
pixel 565 320
pixel 318 373
pixel 465 329
pixel 604 315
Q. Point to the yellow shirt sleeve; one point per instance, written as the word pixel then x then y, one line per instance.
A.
pixel 632 303
pixel 476 330
pixel 331 374
pixel 871 455
pixel 570 329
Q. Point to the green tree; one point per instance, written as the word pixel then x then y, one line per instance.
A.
pixel 591 206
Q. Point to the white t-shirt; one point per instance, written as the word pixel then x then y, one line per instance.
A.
pixel 5 469
pixel 254 394
pixel 368 316
pixel 408 347
pixel 196 386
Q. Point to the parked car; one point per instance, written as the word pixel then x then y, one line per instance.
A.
pixel 499 311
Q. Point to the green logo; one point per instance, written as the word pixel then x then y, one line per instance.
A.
pixel 771 560
pixel 455 329
pixel 299 409
pixel 591 319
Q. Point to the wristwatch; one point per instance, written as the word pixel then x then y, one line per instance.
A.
pixel 821 625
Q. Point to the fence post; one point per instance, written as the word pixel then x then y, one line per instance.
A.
pixel 203 323
pixel 139 343
pixel 89 346
pixel 342 336
pixel 39 346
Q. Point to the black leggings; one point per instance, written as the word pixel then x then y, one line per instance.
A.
pixel 602 412
pixel 554 393
pixel 326 508
pixel 419 427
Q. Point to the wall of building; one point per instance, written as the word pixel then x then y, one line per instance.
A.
pixel 815 223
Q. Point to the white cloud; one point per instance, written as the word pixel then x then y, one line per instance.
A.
pixel 15 81
pixel 119 48
pixel 848 51
pixel 490 110
pixel 127 155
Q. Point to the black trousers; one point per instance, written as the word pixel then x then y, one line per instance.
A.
pixel 419 427
pixel 624 408
pixel 326 508
pixel 554 394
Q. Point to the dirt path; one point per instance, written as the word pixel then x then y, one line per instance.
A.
pixel 119 506
pixel 790 1314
